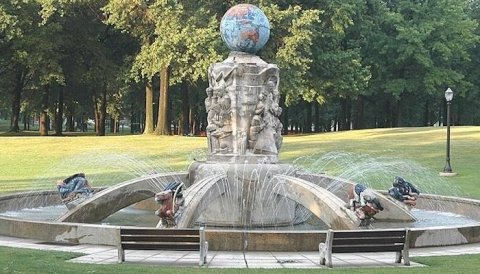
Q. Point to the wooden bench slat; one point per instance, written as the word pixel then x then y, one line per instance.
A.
pixel 366 241
pixel 163 238
pixel 366 248
pixel 165 246
pixel 146 231
pixel 369 233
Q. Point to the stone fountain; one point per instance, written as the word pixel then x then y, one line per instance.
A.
pixel 241 184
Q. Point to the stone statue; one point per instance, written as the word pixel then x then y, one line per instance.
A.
pixel 404 192
pixel 171 202
pixel 363 202
pixel 74 190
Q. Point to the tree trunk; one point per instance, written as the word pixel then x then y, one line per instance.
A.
pixel 348 115
pixel 71 117
pixel 44 120
pixel 96 110
pixel 185 109
pixel 396 114
pixel 163 127
pixel 387 119
pixel 284 116
pixel 193 121
pixel 59 113
pixel 308 121
pixel 17 96
pixel 102 113
pixel 359 122
pixel 25 118
pixel 344 121
pixel 426 113
pixel 149 107
pixel 132 120
pixel 316 119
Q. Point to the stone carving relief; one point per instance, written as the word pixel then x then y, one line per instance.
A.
pixel 219 112
pixel 243 109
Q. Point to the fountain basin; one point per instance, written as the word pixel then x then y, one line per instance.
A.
pixel 234 239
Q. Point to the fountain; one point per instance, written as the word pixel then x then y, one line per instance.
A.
pixel 245 197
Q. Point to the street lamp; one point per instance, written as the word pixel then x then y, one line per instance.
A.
pixel 448 96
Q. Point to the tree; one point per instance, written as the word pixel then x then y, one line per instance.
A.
pixel 31 55
pixel 175 44
pixel 418 49
pixel 136 19
pixel 290 47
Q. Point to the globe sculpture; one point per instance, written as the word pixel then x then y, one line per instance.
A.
pixel 245 28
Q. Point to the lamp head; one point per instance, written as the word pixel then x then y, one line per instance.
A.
pixel 448 95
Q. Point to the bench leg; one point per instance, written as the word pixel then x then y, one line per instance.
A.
pixel 403 255
pixel 398 257
pixel 321 249
pixel 327 249
pixel 325 255
pixel 406 257
pixel 121 255
pixel 203 253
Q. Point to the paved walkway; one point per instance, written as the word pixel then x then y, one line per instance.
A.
pixel 99 254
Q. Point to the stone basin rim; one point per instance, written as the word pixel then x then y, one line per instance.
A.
pixel 233 240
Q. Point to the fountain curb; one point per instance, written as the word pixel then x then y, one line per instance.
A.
pixel 233 240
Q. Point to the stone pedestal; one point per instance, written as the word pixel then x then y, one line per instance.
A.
pixel 242 110
pixel 244 138
pixel 248 197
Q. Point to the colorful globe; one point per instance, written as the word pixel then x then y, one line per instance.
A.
pixel 245 28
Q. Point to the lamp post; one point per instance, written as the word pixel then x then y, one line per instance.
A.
pixel 448 96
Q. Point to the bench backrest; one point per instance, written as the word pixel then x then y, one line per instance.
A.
pixel 352 241
pixel 167 239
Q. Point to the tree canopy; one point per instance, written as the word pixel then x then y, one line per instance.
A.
pixel 343 64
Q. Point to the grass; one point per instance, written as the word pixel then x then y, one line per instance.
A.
pixel 418 154
pixel 372 157
pixel 369 156
pixel 16 260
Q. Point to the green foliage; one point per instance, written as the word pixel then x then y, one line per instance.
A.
pixel 421 43
pixel 8 24
pixel 391 60
pixel 184 38
pixel 290 47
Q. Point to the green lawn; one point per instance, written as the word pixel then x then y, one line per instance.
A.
pixel 369 156
pixel 372 157
pixel 16 260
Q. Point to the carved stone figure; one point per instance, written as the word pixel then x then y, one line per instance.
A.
pixel 363 202
pixel 274 111
pixel 404 192
pixel 171 202
pixel 257 123
pixel 218 105
pixel 74 190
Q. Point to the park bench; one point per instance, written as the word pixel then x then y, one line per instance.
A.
pixel 163 239
pixel 355 241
